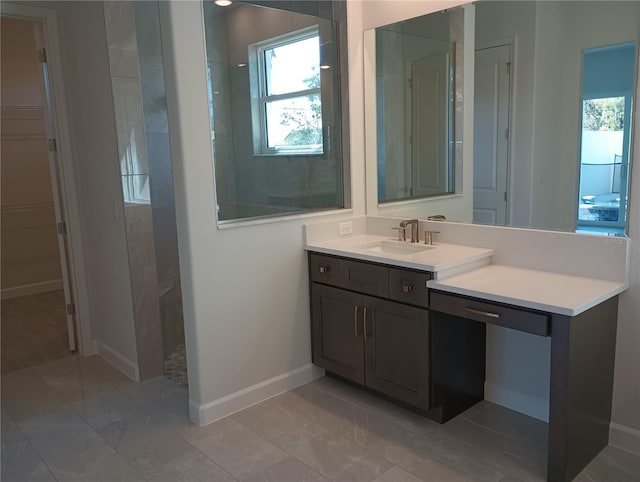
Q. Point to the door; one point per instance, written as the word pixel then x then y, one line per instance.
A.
pixel 491 135
pixel 336 331
pixel 56 186
pixel 397 350
pixel 429 139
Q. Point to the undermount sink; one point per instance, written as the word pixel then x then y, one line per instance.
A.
pixel 394 248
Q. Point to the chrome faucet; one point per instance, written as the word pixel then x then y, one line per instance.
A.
pixel 414 228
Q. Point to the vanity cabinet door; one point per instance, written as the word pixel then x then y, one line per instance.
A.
pixel 397 350
pixel 337 331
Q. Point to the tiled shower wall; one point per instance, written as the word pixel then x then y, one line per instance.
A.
pixel 137 75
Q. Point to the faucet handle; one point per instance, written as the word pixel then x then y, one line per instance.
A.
pixel 402 233
pixel 428 236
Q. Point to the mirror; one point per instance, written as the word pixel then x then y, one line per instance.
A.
pixel 554 99
pixel 277 105
pixel 416 84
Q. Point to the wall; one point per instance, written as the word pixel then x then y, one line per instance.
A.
pixel 30 260
pixel 245 288
pixel 94 149
pixel 156 127
pixel 222 268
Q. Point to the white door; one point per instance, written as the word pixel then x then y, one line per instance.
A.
pixel 429 125
pixel 54 170
pixel 491 134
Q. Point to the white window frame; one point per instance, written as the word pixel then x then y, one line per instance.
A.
pixel 260 97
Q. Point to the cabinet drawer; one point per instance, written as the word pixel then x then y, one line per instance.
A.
pixel 360 276
pixel 363 277
pixel 324 269
pixel 487 312
pixel 409 286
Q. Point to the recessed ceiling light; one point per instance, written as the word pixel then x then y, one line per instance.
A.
pixel 223 3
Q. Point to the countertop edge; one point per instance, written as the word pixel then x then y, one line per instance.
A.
pixel 534 305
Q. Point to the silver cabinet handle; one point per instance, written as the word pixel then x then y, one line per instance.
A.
pixel 324 269
pixel 482 313
pixel 355 320
pixel 407 288
pixel 364 322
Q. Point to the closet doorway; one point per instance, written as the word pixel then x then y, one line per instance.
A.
pixel 38 308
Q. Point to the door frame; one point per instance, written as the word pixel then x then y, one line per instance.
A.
pixel 69 192
pixel 513 79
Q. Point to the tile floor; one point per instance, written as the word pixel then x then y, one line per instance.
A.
pixel 34 330
pixel 78 419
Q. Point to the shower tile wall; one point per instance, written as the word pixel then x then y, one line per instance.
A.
pixel 159 151
pixel 137 75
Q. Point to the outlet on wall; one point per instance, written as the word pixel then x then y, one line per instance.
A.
pixel 345 228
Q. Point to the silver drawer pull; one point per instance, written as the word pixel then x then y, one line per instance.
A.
pixel 324 269
pixel 407 288
pixel 355 320
pixel 482 313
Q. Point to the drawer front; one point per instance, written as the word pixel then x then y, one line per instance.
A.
pixel 324 269
pixel 360 276
pixel 367 278
pixel 487 312
pixel 409 287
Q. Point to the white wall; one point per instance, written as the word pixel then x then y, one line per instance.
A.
pixel 245 289
pixel 94 147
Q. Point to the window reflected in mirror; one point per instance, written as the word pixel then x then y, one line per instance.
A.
pixel 607 92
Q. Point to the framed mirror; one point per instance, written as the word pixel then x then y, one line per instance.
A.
pixel 278 107
pixel 554 102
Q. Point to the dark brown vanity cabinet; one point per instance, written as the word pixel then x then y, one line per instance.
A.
pixel 371 340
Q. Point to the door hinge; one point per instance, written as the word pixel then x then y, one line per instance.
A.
pixel 506 133
pixel 508 67
pixel 42 56
pixel 71 309
pixel 505 196
pixel 62 228
pixel 52 145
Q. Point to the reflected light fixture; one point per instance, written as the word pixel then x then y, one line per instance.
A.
pixel 325 67
pixel 223 3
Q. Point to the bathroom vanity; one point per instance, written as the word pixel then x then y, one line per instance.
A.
pixel 410 323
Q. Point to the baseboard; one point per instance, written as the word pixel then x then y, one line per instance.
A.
pixel 118 361
pixel 222 407
pixel 31 289
pixel 534 407
pixel 625 438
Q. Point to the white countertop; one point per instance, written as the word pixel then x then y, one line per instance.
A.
pixel 540 290
pixel 442 257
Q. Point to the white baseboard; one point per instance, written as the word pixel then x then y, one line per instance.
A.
pixel 31 289
pixel 118 361
pixel 222 407
pixel 534 407
pixel 625 438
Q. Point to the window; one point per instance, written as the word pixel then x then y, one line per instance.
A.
pixel 287 106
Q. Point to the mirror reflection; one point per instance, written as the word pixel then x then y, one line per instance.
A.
pixel 276 113
pixel 416 62
pixel 554 99
pixel 554 83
